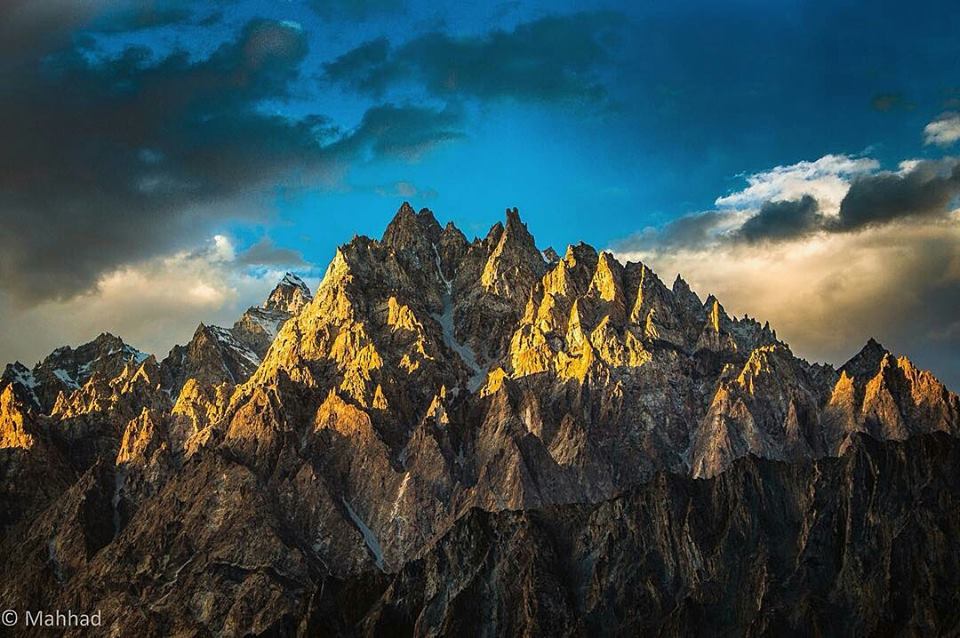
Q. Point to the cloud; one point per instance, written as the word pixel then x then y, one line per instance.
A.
pixel 405 190
pixel 825 179
pixel 943 131
pixel 402 132
pixel 355 9
pixel 884 264
pixel 555 58
pixel 919 189
pixel 835 193
pixel 365 69
pixel 785 219
pixel 152 304
pixel 266 253
pixel 829 292
pixel 142 16
pixel 27 26
pixel 109 162
pixel 687 231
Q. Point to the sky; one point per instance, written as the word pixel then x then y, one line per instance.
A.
pixel 163 163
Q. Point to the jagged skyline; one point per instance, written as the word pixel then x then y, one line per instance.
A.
pixel 335 449
pixel 801 174
pixel 624 257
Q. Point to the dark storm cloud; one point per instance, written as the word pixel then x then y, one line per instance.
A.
pixel 925 190
pixel 28 26
pixel 781 220
pixel 365 69
pixel 354 9
pixel 690 231
pixel 266 253
pixel 145 16
pixel 549 59
pixel 106 163
pixel 403 132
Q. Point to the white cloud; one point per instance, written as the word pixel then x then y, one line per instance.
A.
pixel 825 292
pixel 151 305
pixel 222 249
pixel 943 131
pixel 826 179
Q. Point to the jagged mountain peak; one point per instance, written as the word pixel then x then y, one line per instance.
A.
pixel 14 422
pixel 409 228
pixel 581 253
pixel 685 295
pixel 493 235
pixel 21 380
pixel 409 396
pixel 67 368
pixel 514 263
pixel 290 279
pixel 290 295
pixel 516 229
pixel 867 361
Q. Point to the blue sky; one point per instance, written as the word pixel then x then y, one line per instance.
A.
pixel 285 128
pixel 696 94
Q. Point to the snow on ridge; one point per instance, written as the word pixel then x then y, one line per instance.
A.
pixel 292 280
pixel 226 337
pixel 66 378
pixel 25 377
pixel 269 320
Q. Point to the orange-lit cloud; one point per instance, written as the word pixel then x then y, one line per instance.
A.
pixel 895 275
pixel 151 305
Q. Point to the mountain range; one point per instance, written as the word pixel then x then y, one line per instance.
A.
pixel 480 437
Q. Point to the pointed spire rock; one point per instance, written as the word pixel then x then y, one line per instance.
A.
pixel 290 295
pixel 452 247
pixel 410 229
pixel 684 296
pixel 14 425
pixel 607 279
pixel 493 235
pixel 714 313
pixel 513 218
pixel 581 253
pixel 515 263
pixel 866 363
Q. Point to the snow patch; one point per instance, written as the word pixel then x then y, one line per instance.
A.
pixel 269 322
pixel 290 279
pixel 22 375
pixel 369 538
pixel 445 319
pixel 66 378
pixel 226 338
pixel 395 514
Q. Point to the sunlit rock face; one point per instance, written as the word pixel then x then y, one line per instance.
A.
pixel 220 355
pixel 410 417
pixel 66 369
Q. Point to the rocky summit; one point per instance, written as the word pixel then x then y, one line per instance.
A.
pixel 480 437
